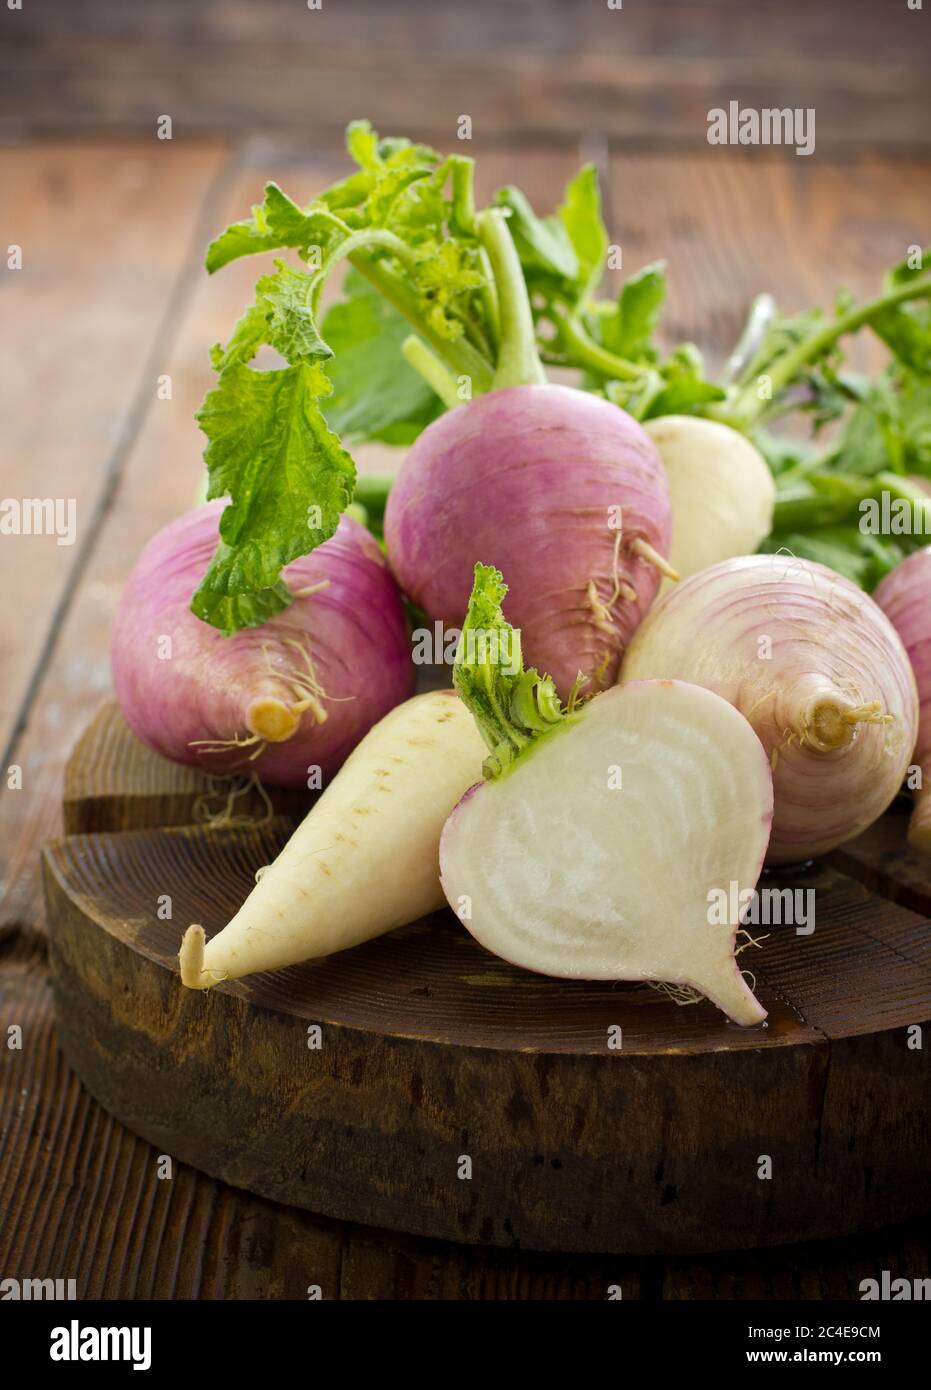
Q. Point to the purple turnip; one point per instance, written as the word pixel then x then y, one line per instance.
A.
pixel 565 491
pixel 905 598
pixel 562 488
pixel 294 695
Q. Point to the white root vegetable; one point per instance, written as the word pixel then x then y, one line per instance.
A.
pixel 721 489
pixel 364 860
pixel 602 837
pixel 816 668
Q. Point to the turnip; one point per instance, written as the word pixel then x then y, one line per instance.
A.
pixel 905 598
pixel 605 830
pixel 364 859
pixel 721 489
pixel 819 672
pixel 294 695
pixel 565 490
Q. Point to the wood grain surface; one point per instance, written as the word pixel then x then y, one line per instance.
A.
pixel 643 73
pixel 78 1194
pixel 431 1049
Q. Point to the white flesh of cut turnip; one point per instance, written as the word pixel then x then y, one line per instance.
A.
pixel 596 854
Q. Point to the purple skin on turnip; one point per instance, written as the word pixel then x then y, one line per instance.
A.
pixel 294 695
pixel 567 492
pixel 905 598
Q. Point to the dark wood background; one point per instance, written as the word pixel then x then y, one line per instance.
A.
pixel 646 73
pixel 112 295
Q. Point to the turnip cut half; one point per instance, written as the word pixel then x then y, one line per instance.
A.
pixel 601 847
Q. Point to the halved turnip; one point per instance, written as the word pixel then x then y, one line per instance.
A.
pixel 604 832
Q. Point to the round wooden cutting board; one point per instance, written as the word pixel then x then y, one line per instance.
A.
pixel 421 1084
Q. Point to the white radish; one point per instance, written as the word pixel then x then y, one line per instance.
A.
pixel 604 835
pixel 721 489
pixel 364 859
pixel 816 668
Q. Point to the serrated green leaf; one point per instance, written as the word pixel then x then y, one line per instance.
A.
pixel 289 478
pixel 511 707
pixel 276 223
pixel 291 328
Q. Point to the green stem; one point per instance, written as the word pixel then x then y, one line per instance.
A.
pixel 433 371
pixel 518 361
pixel 585 352
pixel 762 312
pixel 463 208
pixel 370 237
pixel 747 406
pixel 460 355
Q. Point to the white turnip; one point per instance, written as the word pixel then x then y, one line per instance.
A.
pixel 819 672
pixel 605 831
pixel 721 489
pixel 905 598
pixel 364 859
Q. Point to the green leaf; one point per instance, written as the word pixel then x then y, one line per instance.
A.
pixel 906 331
pixel 287 296
pixel 376 395
pixel 445 281
pixel 905 271
pixel 543 243
pixel 362 144
pixel 288 476
pixel 274 224
pixel 248 336
pixel 630 333
pixel 281 316
pixel 685 395
pixel 512 707
pixel 580 214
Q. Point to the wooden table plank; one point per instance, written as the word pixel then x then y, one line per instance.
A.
pixel 105 231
